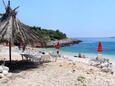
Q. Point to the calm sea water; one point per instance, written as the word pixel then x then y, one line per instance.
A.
pixel 89 47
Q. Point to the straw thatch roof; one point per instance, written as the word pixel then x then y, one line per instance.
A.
pixel 11 29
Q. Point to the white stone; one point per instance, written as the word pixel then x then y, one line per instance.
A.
pixel 5 68
pixel 1 69
pixel 9 74
pixel 5 72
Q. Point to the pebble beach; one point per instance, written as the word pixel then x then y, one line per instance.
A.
pixel 63 72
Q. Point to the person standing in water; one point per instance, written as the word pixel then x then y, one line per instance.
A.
pixel 57 46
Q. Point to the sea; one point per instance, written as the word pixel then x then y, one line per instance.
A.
pixel 88 47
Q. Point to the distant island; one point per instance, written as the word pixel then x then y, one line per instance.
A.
pixel 112 37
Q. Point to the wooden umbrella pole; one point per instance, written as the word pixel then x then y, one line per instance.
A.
pixel 10 51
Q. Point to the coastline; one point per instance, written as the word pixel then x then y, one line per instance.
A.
pixel 63 42
pixel 87 55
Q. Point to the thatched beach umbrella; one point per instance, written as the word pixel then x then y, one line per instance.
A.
pixel 12 30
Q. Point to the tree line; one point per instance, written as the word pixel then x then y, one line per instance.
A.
pixel 47 34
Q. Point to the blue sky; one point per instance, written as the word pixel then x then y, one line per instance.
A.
pixel 76 18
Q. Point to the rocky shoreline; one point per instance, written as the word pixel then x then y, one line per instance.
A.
pixel 63 42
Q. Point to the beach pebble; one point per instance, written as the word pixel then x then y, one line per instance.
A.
pixel 1 75
pixel 9 74
pixel 1 69
pixel 73 70
pixel 5 68
pixel 60 65
pixel 5 72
